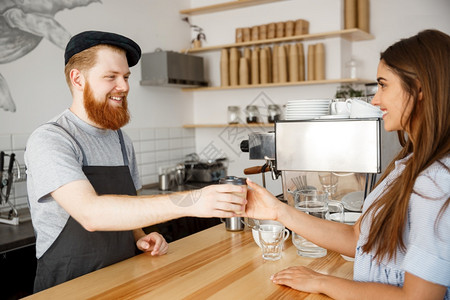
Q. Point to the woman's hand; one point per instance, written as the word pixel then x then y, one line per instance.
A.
pixel 261 204
pixel 154 243
pixel 299 278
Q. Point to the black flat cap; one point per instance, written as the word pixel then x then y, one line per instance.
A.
pixel 88 39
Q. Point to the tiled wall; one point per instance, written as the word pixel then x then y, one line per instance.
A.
pixel 160 147
pixel 154 147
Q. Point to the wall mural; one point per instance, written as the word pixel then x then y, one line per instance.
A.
pixel 23 24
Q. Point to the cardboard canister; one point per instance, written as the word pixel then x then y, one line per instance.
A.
pixel 243 71
pixel 350 14
pixel 246 34
pixel 319 61
pixel 289 28
pixel 263 66
pixel 234 66
pixel 271 30
pixel 282 64
pixel 279 32
pixel 363 15
pixel 239 35
pixel 269 62
pixel 255 66
pixel 255 33
pixel 301 62
pixel 275 74
pixel 301 27
pixel 248 55
pixel 293 63
pixel 263 32
pixel 311 60
pixel 224 68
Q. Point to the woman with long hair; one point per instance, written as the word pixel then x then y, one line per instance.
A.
pixel 401 243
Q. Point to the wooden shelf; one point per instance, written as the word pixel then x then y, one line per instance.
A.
pixel 353 34
pixel 223 6
pixel 270 85
pixel 227 125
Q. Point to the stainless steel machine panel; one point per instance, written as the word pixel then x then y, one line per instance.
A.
pixel 344 145
pixel 261 145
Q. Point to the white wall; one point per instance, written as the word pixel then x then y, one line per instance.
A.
pixel 390 21
pixel 37 83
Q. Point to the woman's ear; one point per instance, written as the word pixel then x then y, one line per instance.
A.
pixel 419 91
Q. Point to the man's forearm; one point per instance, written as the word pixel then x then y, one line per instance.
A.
pixel 115 212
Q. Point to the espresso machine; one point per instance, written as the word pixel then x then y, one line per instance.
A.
pixel 261 146
pixel 353 150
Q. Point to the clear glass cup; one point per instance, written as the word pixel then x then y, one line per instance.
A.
pixel 329 182
pixel 271 239
pixel 314 203
pixel 255 230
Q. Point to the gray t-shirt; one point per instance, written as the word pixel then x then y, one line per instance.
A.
pixel 54 159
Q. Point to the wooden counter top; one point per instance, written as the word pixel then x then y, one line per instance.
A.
pixel 213 264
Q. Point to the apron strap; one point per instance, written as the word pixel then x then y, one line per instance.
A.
pixel 124 150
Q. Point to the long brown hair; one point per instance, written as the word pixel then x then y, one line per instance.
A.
pixel 422 62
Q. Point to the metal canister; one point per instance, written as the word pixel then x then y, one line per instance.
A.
pixel 233 223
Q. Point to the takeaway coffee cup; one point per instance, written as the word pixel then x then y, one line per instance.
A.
pixel 361 109
pixel 234 223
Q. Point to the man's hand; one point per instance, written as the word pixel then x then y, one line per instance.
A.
pixel 220 200
pixel 154 243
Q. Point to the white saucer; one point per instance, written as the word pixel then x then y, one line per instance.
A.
pixel 349 217
pixel 335 117
pixel 353 201
pixel 306 117
pixel 367 116
pixel 314 101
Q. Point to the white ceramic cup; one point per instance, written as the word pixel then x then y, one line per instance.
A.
pixel 362 109
pixel 339 108
pixel 271 239
pixel 255 231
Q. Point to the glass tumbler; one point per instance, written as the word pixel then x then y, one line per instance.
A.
pixel 234 113
pixel 273 113
pixel 252 113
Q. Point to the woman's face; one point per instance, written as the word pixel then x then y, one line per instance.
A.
pixel 392 99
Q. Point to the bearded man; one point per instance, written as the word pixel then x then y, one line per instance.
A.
pixel 83 176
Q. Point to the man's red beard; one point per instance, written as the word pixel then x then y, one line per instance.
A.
pixel 103 113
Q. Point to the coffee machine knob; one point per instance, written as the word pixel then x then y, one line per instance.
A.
pixel 244 146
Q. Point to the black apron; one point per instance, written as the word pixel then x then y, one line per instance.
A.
pixel 77 251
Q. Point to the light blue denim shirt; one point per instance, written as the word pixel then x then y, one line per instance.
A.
pixel 427 253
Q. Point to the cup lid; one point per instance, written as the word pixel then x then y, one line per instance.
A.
pixel 233 180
